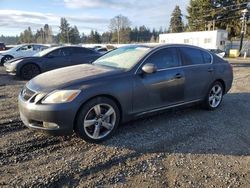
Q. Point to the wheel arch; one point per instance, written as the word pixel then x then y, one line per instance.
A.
pixel 19 67
pixel 96 96
pixel 222 83
pixel 6 55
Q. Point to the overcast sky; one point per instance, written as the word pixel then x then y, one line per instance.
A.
pixel 17 15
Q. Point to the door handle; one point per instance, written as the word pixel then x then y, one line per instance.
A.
pixel 178 76
pixel 210 69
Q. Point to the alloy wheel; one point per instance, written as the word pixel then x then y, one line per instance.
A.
pixel 99 121
pixel 215 96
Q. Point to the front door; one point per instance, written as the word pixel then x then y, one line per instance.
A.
pixel 57 59
pixel 163 88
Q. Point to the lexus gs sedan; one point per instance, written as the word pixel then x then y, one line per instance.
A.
pixel 129 82
pixel 49 59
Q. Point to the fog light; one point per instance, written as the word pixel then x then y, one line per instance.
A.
pixel 50 125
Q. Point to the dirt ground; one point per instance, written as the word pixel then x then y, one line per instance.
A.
pixel 181 148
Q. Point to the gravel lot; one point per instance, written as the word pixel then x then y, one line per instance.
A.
pixel 181 148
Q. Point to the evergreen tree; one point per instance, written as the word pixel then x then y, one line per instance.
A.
pixel 74 35
pixel 48 35
pixel 64 31
pixel 84 38
pixel 106 37
pixel 94 37
pixel 176 24
pixel 26 36
pixel 216 14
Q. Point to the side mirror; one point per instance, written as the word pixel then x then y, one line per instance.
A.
pixel 149 68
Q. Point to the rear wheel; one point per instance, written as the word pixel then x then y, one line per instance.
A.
pixel 29 71
pixel 214 96
pixel 5 59
pixel 97 120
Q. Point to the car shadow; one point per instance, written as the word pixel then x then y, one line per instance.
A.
pixel 224 131
pixel 246 64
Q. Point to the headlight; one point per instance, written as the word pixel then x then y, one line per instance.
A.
pixel 39 97
pixel 61 96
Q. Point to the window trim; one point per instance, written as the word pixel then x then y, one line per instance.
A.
pixel 180 57
pixel 157 50
pixel 211 62
pixel 177 55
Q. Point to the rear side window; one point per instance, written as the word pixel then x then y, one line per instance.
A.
pixel 191 56
pixel 164 58
pixel 82 51
pixel 206 57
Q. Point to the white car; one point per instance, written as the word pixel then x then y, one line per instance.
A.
pixel 24 50
pixel 218 52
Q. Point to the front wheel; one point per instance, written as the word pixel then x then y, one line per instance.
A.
pixel 214 96
pixel 29 71
pixel 5 59
pixel 97 120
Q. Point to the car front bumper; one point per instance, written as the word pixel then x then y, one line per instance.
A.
pixel 54 119
pixel 10 68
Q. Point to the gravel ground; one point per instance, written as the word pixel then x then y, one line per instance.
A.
pixel 179 148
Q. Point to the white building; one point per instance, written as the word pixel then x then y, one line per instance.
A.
pixel 205 39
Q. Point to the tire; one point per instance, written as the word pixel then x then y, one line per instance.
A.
pixel 214 96
pixel 6 58
pixel 97 120
pixel 29 71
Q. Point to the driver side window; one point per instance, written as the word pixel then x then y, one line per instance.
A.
pixel 25 48
pixel 164 58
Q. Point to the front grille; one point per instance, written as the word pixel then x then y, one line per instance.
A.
pixel 27 93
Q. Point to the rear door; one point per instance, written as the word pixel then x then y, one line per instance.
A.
pixel 164 87
pixel 83 55
pixel 198 70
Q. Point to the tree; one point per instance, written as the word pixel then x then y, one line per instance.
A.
pixel 9 39
pixel 64 31
pixel 176 24
pixel 84 38
pixel 106 37
pixel 26 36
pixel 118 25
pixel 44 35
pixel 94 37
pixel 74 35
pixel 48 35
pixel 216 14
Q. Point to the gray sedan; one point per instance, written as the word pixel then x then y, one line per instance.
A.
pixel 49 59
pixel 129 82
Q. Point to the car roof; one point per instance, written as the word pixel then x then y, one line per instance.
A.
pixel 157 46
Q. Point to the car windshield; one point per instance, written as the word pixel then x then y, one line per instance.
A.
pixel 123 58
pixel 45 52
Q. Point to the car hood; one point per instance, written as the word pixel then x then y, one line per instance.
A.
pixel 3 52
pixel 69 76
pixel 22 58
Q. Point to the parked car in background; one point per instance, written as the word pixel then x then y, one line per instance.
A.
pixel 218 52
pixel 126 83
pixel 2 46
pixel 102 50
pixel 24 50
pixel 49 59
